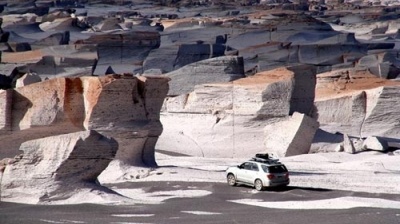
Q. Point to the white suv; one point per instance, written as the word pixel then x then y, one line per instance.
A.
pixel 260 172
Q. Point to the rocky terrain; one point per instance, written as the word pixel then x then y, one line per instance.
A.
pixel 210 79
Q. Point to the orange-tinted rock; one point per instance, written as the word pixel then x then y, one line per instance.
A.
pixel 121 106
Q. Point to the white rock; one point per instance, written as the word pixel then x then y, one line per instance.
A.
pixel 382 113
pixel 357 144
pixel 227 119
pixel 339 148
pixel 124 107
pixel 348 145
pixel 375 143
pixel 292 136
pixel 56 168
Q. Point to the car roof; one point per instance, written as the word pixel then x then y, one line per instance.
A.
pixel 266 162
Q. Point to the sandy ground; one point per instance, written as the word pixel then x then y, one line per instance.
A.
pixel 372 172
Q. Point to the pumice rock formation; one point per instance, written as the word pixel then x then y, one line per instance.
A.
pixel 220 119
pixel 121 106
pixel 58 168
pixel 356 103
pixel 219 69
pixel 292 136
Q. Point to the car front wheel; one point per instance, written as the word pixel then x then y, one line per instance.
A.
pixel 258 185
pixel 231 179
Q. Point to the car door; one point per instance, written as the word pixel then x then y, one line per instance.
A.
pixel 243 172
pixel 250 172
pixel 253 173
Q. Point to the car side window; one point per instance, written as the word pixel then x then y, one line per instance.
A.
pixel 265 168
pixel 254 167
pixel 247 166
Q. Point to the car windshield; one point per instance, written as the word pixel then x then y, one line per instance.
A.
pixel 274 169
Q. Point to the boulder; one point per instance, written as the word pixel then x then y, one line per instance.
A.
pixel 290 137
pixel 339 148
pixel 375 143
pixel 57 168
pixel 357 144
pixel 348 145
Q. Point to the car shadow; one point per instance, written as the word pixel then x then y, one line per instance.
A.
pixel 286 188
pixel 294 173
pixel 290 188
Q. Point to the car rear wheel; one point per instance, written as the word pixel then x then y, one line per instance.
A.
pixel 258 185
pixel 231 179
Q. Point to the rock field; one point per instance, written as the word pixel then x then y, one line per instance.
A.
pixel 91 90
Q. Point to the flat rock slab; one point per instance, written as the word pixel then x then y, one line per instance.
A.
pixel 55 168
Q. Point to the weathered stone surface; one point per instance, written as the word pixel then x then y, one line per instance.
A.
pixel 124 107
pixel 57 167
pixel 339 148
pixel 382 113
pixel 348 144
pixel 290 137
pixel 191 53
pixel 358 144
pixel 137 127
pixel 358 104
pixel 162 58
pixel 219 69
pixel 124 51
pixel 375 143
pixel 5 110
pixel 358 111
pixel 18 57
pixel 227 119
